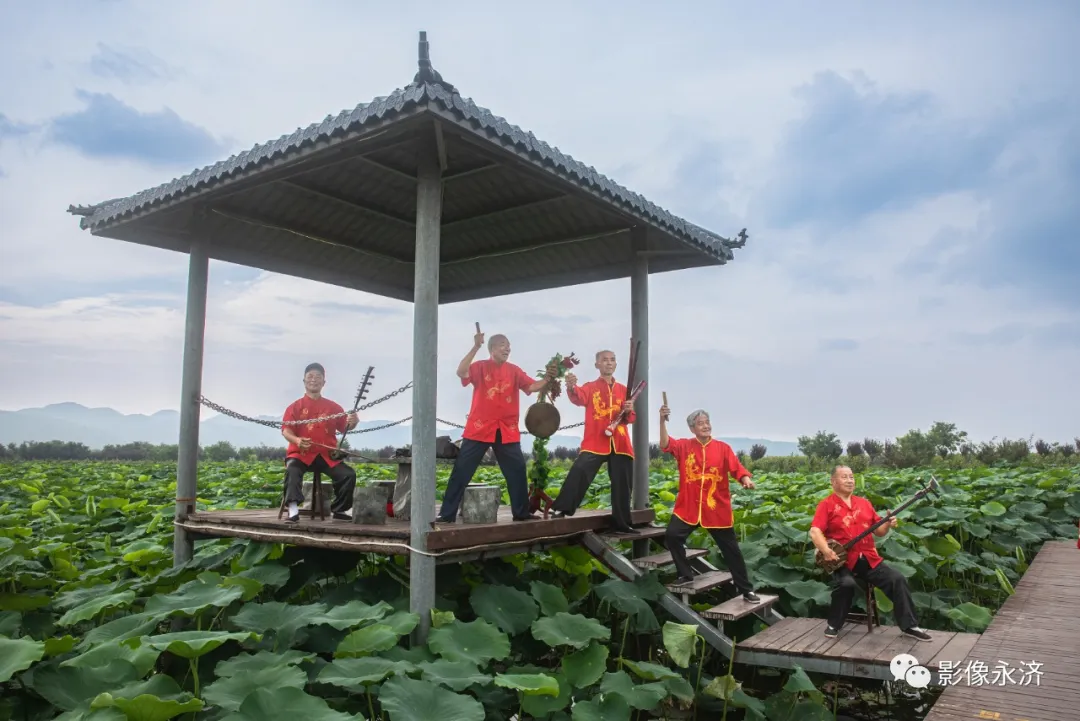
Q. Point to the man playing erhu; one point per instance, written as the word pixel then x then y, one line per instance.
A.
pixel 841 516
pixel 492 423
pixel 705 465
pixel 310 445
pixel 603 400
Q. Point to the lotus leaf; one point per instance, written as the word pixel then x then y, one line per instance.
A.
pixel 679 640
pixel 509 609
pixel 406 699
pixel 476 641
pixel 585 667
pixel 455 675
pixel 530 684
pixel 569 629
pixel 18 654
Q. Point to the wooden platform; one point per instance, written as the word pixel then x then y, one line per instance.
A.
pixel 1040 623
pixel 451 542
pixel 854 652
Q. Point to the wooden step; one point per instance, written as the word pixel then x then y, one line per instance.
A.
pixel 704 582
pixel 736 608
pixel 663 559
pixel 643 533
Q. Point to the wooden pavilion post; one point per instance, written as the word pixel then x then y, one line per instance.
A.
pixel 639 329
pixel 425 385
pixel 187 459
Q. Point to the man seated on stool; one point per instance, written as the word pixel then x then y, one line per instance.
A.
pixel 310 445
pixel 705 465
pixel 841 516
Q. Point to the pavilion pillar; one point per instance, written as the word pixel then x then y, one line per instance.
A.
pixel 187 460
pixel 425 385
pixel 639 329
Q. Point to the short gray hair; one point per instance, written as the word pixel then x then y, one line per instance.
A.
pixel 692 418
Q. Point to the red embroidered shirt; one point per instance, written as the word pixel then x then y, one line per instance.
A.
pixel 602 403
pixel 705 470
pixel 324 432
pixel 841 523
pixel 495 401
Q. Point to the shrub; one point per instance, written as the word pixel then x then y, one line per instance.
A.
pixel 757 452
pixel 1014 451
pixel 821 445
pixel 854 448
pixel 872 447
pixel 1043 448
pixel 1067 449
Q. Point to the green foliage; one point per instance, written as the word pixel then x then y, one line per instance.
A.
pixel 821 445
pixel 757 452
pixel 89 599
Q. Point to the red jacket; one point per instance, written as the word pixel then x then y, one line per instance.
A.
pixel 704 473
pixel 602 403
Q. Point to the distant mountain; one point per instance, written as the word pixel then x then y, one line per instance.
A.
pixel 97 427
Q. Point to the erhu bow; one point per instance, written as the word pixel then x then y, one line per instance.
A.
pixel 337 454
pixel 841 550
pixel 632 394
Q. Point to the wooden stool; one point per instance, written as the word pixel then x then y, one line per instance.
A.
pixel 871 615
pixel 316 497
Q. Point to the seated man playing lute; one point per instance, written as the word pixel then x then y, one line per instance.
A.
pixel 840 517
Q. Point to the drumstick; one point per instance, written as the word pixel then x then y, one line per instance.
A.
pixel 478 327
pixel 665 397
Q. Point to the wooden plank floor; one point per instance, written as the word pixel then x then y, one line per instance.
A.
pixel 1039 624
pixel 854 651
pixel 393 536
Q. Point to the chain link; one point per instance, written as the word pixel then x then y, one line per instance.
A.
pixel 279 424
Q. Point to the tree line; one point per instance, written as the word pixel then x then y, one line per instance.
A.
pixel 942 443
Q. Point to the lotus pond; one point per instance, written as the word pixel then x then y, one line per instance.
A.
pixel 96 624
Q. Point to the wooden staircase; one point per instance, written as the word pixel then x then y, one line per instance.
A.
pixel 708 580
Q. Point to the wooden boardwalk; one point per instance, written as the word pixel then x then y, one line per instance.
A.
pixel 450 543
pixel 854 652
pixel 1026 665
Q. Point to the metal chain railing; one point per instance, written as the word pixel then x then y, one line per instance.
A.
pixel 279 424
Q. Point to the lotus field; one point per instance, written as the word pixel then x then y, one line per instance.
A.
pixel 97 625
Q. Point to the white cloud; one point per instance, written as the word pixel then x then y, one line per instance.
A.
pixel 637 100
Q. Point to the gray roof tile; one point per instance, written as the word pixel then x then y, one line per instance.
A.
pixel 465 112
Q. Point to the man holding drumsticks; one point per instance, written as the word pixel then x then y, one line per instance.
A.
pixel 492 423
pixel 705 467
pixel 603 400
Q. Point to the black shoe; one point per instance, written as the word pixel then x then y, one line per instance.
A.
pixel 440 519
pixel 751 597
pixel 561 514
pixel 831 632
pixel 916 632
pixel 530 517
pixel 342 516
pixel 293 519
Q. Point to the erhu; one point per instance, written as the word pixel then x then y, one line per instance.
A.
pixel 338 454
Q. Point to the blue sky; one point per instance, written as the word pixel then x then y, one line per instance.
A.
pixel 908 177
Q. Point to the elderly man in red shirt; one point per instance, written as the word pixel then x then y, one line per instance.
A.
pixel 492 423
pixel 706 466
pixel 603 399
pixel 310 445
pixel 841 516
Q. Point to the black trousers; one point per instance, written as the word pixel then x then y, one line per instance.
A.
pixel 511 463
pixel 581 475
pixel 342 476
pixel 889 580
pixel 679 530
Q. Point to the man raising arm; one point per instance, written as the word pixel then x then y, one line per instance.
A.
pixel 492 423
